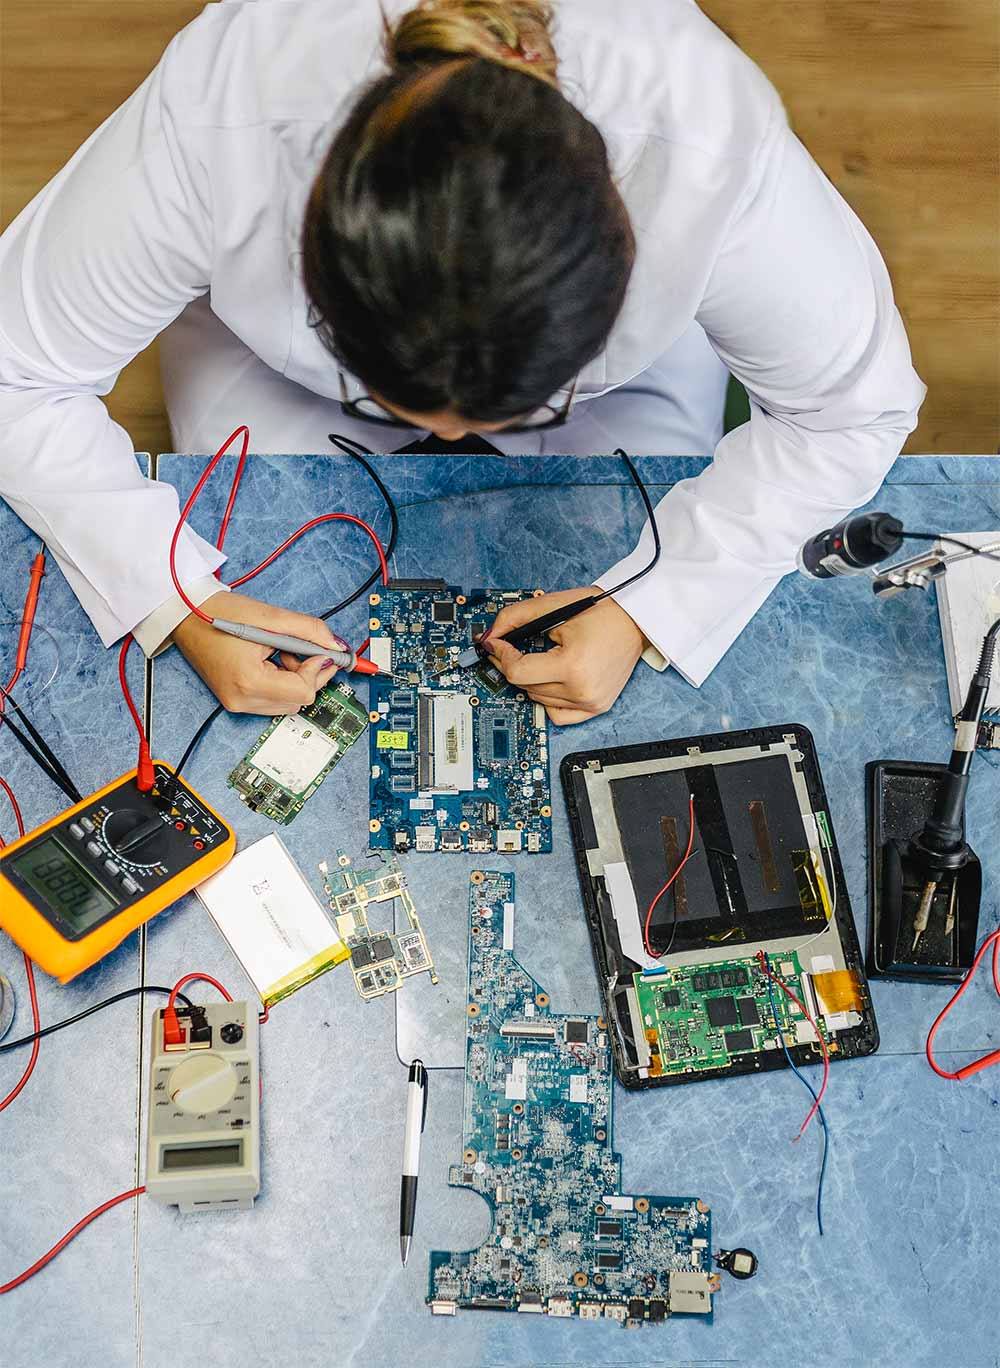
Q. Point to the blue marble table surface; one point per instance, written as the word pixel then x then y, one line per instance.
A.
pixel 906 1272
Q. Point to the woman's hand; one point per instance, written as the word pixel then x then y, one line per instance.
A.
pixel 239 672
pixel 583 674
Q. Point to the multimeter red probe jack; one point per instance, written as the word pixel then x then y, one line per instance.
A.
pixel 346 659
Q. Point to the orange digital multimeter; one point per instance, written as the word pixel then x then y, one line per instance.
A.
pixel 71 891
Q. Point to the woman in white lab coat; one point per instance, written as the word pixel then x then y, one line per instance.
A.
pixel 474 217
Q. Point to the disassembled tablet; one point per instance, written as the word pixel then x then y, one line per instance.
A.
pixel 565 1240
pixel 293 755
pixel 459 758
pixel 380 960
pixel 684 992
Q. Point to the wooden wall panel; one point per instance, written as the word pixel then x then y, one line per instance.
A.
pixel 898 100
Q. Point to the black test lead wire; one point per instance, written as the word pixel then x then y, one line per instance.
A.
pixel 41 752
pixel 89 1011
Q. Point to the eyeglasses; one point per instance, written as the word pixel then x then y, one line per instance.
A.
pixel 369 410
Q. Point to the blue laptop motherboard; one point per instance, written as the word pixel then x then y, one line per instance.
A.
pixel 459 758
pixel 537 1146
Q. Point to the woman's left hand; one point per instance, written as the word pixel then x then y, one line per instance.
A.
pixel 586 670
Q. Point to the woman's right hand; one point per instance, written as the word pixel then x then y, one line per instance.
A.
pixel 239 673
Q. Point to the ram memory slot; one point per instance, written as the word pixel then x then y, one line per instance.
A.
pixel 425 741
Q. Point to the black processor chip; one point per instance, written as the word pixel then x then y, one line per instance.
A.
pixel 749 1016
pixel 382 948
pixel 443 612
pixel 577 1032
pixel 361 956
pixel 739 1042
pixel 722 1011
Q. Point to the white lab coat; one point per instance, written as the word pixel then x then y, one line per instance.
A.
pixel 197 184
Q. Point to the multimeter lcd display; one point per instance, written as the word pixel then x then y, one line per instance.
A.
pixel 69 889
pixel 202 1156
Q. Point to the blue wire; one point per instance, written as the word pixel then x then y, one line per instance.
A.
pixel 819 1110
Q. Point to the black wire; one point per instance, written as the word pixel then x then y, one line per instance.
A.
pixel 344 443
pixel 193 743
pixel 652 523
pixel 41 752
pixel 662 954
pixel 952 541
pixel 97 1007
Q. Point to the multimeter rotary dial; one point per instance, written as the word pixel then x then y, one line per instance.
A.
pixel 133 835
pixel 202 1083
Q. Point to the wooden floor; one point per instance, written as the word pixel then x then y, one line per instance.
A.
pixel 897 100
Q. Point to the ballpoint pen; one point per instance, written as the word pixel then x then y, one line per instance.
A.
pixel 416 1115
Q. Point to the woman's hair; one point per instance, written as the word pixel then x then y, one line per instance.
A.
pixel 464 245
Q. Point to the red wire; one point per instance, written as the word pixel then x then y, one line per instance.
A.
pixel 28 969
pixel 314 522
pixel 199 977
pixel 123 681
pixel 687 855
pixel 227 515
pixel 994 1057
pixel 762 960
pixel 191 502
pixel 70 1235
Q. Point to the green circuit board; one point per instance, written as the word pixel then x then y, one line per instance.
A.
pixel 537 1147
pixel 293 755
pixel 701 1016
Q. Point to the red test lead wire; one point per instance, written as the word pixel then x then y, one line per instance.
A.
pixel 244 431
pixel 986 1060
pixel 70 1235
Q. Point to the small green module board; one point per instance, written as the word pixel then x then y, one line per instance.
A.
pixel 293 755
pixel 700 1016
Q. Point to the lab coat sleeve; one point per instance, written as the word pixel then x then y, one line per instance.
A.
pixel 90 272
pixel 799 306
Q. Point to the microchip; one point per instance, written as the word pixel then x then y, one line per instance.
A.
pixel 657 1309
pixel 739 1042
pixel 577 1032
pixel 609 1258
pixel 734 978
pixel 670 997
pixel 382 948
pixel 443 612
pixel 366 981
pixel 361 955
pixel 636 1308
pixel 722 1011
pixel 749 1016
pixel 608 1230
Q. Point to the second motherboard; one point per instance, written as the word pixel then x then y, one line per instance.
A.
pixel 459 758
pixel 565 1240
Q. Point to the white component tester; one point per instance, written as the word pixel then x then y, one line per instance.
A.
pixel 203 1146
